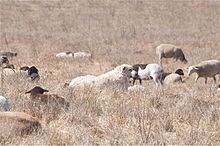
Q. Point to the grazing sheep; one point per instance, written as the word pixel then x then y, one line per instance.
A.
pixel 116 77
pixel 205 69
pixel 171 78
pixel 135 70
pixel 170 51
pixel 4 103
pixel 8 54
pixel 3 60
pixel 32 72
pixel 18 123
pixel 152 71
pixel 37 95
pixel 73 55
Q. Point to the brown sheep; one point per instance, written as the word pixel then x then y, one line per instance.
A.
pixel 170 51
pixel 18 123
pixel 37 95
pixel 209 68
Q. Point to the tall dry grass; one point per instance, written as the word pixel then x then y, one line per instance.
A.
pixel 115 32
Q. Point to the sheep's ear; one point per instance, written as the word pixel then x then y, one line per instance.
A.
pixel 124 68
pixel 28 92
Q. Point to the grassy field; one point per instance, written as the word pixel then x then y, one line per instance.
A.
pixel 115 32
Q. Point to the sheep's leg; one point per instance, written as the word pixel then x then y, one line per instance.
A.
pixel 140 81
pixel 157 81
pixel 214 79
pixel 197 77
pixel 160 60
pixel 134 81
pixel 205 80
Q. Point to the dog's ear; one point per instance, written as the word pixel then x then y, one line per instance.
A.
pixel 196 68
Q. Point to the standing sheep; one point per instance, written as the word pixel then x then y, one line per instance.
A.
pixel 152 71
pixel 209 68
pixel 170 51
pixel 135 70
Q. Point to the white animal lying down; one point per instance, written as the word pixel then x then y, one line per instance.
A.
pixel 117 77
pixel 152 71
pixel 87 80
pixel 73 55
pixel 4 103
pixel 205 69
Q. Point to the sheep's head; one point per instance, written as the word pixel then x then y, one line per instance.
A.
pixel 179 72
pixel 192 69
pixel 183 59
pixel 4 59
pixel 32 70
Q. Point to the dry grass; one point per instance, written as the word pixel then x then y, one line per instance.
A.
pixel 115 32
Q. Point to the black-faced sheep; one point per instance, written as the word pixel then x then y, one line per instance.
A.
pixel 171 78
pixel 170 51
pixel 32 72
pixel 3 60
pixel 135 70
pixel 205 69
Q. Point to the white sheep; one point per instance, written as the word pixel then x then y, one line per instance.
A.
pixel 73 55
pixel 4 103
pixel 170 51
pixel 65 55
pixel 116 77
pixel 205 69
pixel 82 55
pixel 152 71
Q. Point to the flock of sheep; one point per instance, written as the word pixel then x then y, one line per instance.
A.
pixel 119 78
